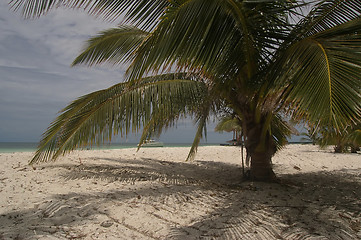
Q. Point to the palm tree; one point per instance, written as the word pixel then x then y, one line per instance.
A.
pixel 311 135
pixel 193 57
pixel 349 137
pixel 232 123
pixel 229 123
pixel 355 140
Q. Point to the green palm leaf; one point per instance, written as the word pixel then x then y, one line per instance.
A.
pixel 228 124
pixel 280 131
pixel 115 45
pixel 319 70
pixel 324 73
pixel 355 137
pixel 122 108
pixel 225 41
pixel 326 15
pixel 201 128
pixel 139 12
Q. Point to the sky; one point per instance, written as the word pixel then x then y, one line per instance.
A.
pixel 36 80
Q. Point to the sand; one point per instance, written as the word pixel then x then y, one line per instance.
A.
pixel 155 194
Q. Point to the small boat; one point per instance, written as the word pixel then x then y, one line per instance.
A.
pixel 152 143
pixel 232 142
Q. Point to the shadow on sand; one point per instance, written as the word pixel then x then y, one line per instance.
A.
pixel 322 205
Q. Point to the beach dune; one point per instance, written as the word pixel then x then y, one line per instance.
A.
pixel 155 194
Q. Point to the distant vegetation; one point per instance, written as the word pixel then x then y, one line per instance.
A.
pixel 344 140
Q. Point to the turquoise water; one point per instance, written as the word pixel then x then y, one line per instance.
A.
pixel 9 147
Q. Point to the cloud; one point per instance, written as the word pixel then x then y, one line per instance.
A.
pixel 62 31
pixel 36 80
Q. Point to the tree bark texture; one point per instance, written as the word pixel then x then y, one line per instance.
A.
pixel 261 148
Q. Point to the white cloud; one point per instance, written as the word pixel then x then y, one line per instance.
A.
pixel 62 31
pixel 36 79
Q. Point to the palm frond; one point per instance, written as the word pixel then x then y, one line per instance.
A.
pixel 227 41
pixel 178 39
pixel 355 137
pixel 280 131
pixel 124 107
pixel 141 13
pixel 228 124
pixel 201 128
pixel 326 15
pixel 114 45
pixel 323 73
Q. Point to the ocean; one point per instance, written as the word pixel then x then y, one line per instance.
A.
pixel 8 147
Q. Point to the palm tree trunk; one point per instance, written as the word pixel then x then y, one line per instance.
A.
pixel 261 149
pixel 353 149
pixel 242 148
pixel 338 148
pixel 248 158
pixel 261 166
pixel 242 160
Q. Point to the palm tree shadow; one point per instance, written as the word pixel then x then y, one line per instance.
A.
pixel 147 169
pixel 316 205
pixel 60 214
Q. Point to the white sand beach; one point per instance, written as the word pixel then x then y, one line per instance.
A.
pixel 155 194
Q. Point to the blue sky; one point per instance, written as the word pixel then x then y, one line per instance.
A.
pixel 36 80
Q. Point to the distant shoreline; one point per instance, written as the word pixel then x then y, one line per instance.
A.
pixel 12 147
